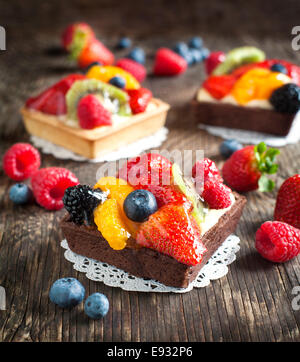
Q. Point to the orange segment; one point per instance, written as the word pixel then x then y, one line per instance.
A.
pixel 118 190
pixel 110 224
pixel 257 83
pixel 106 72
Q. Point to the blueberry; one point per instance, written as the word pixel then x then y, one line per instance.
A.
pixel 20 194
pixel 92 64
pixel 277 67
pixel 139 205
pixel 118 82
pixel 124 43
pixel 205 53
pixel 96 306
pixel 137 54
pixel 196 42
pixel 228 147
pixel 67 292
pixel 188 57
pixel 197 55
pixel 181 48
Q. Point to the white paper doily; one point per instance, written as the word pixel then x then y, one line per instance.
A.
pixel 250 137
pixel 131 150
pixel 215 268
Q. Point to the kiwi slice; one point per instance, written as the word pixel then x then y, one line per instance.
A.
pixel 187 187
pixel 112 97
pixel 237 57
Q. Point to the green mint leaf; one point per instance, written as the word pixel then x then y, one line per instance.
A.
pixel 265 184
pixel 273 169
pixel 261 147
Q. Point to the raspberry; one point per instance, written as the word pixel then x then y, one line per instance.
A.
pixel 20 161
pixel 92 114
pixel 49 185
pixel 277 241
pixel 168 62
pixel 132 67
pixel 216 194
pixel 206 169
pixel 80 202
pixel 139 99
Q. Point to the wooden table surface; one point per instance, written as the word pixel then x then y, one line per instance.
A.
pixel 253 301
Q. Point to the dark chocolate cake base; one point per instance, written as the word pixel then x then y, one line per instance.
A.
pixel 245 118
pixel 145 262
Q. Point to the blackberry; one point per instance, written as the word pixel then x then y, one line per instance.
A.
pixel 286 99
pixel 80 202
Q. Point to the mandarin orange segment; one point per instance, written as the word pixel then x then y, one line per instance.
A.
pixel 108 219
pixel 257 83
pixel 106 72
pixel 118 190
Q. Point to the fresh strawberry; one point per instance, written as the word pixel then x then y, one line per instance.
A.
pixel 49 185
pixel 287 207
pixel 216 194
pixel 172 231
pixel 147 169
pixel 75 35
pixel 21 161
pixel 139 99
pixel 92 114
pixel 52 100
pixel 247 168
pixel 168 62
pixel 167 195
pixel 94 51
pixel 219 86
pixel 277 241
pixel 214 59
pixel 133 67
pixel 206 169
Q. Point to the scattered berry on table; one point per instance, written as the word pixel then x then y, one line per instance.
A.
pixel 286 99
pixel 196 55
pixel 174 232
pixel 205 53
pixel 80 202
pixel 96 306
pixel 76 33
pixel 196 42
pixel 139 99
pixel 118 82
pixel 139 205
pixel 21 161
pixel 287 207
pixel 228 147
pixel 277 241
pixel 189 57
pixel 216 194
pixel 214 59
pixel 169 63
pixel 67 292
pixel 133 67
pixel 20 194
pixel 147 169
pixel 94 51
pixel 92 114
pixel 181 48
pixel 49 185
pixel 137 54
pixel 247 168
pixel 277 67
pixel 124 43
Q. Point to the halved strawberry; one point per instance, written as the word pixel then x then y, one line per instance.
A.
pixel 94 51
pixel 219 86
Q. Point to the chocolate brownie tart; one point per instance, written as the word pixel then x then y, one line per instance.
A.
pixel 145 262
pixel 254 119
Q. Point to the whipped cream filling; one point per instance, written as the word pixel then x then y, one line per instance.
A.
pixel 204 96
pixel 212 216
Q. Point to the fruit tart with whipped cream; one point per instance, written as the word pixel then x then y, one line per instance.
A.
pixel 246 91
pixel 151 221
pixel 95 113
